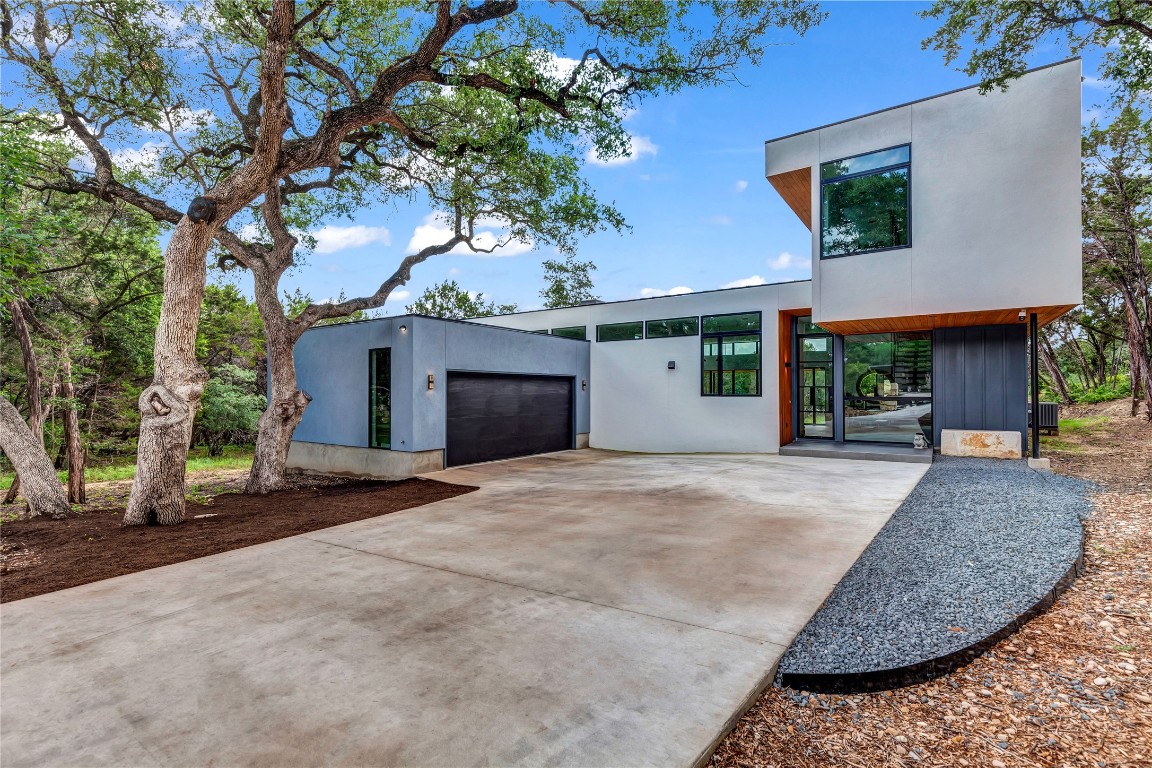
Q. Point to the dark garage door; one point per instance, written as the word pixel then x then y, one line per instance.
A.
pixel 497 416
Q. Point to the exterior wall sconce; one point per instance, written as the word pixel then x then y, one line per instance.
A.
pixel 671 365
pixel 583 385
pixel 431 382
pixel 403 329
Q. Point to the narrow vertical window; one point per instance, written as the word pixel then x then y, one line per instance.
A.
pixel 380 397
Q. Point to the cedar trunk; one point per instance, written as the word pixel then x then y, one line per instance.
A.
pixel 40 487
pixel 76 491
pixel 286 403
pixel 169 404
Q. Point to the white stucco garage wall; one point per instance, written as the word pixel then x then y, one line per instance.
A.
pixel 638 404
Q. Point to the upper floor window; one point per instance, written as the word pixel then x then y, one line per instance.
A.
pixel 864 202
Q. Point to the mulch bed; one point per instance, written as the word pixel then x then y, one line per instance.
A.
pixel 39 555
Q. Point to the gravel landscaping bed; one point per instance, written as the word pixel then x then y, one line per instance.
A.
pixel 976 544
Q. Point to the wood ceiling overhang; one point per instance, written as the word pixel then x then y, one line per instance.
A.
pixel 796 189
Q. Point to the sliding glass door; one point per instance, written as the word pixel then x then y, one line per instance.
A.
pixel 888 387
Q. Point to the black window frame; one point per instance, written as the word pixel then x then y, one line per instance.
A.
pixel 616 325
pixel 583 330
pixel 674 335
pixel 372 442
pixel 719 336
pixel 860 174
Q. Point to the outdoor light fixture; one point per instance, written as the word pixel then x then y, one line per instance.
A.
pixel 403 329
pixel 583 384
pixel 671 365
pixel 431 382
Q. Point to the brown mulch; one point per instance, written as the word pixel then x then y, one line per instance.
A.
pixel 40 555
pixel 1072 688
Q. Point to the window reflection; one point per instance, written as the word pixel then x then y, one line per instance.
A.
pixel 888 387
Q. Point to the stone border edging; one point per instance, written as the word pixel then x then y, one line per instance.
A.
pixel 874 681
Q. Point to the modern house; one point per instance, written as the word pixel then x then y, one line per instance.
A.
pixel 941 230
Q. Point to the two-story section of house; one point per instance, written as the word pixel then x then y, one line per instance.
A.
pixel 938 228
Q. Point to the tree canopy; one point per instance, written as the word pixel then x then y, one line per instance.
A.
pixel 447 299
pixel 1003 35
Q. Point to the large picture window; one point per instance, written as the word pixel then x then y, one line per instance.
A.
pixel 380 398
pixel 864 203
pixel 731 352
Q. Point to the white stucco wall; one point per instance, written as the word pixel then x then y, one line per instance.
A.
pixel 995 201
pixel 638 404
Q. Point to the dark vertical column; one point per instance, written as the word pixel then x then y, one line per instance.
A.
pixel 838 387
pixel 1035 357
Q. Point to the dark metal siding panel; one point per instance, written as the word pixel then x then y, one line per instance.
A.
pixel 980 378
pixel 494 417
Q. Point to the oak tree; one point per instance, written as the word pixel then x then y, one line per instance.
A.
pixel 270 113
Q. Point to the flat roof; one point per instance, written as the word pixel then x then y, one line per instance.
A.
pixel 392 318
pixel 650 298
pixel 916 101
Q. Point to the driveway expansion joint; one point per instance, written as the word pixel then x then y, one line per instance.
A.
pixel 762 641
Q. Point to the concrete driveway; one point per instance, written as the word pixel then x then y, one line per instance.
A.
pixel 582 608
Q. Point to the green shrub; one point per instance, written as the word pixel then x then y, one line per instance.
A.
pixel 230 409
pixel 1122 387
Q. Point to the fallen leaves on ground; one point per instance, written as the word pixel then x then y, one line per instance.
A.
pixel 1072 688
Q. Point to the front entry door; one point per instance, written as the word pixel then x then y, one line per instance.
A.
pixel 814 382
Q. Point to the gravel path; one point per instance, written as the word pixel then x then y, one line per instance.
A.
pixel 976 543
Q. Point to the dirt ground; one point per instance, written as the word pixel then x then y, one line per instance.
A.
pixel 39 555
pixel 1073 688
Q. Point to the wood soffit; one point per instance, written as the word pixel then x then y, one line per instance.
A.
pixel 796 189
pixel 1044 315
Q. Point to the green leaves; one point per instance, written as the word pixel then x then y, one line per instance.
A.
pixel 567 283
pixel 449 300
pixel 1003 36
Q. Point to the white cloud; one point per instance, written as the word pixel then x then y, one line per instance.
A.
pixel 400 295
pixel 638 146
pixel 331 238
pixel 741 185
pixel 186 120
pixel 453 272
pixel 745 282
pixel 787 260
pixel 650 293
pixel 144 158
pixel 488 234
pixel 721 219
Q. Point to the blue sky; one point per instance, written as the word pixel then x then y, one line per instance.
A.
pixel 702 214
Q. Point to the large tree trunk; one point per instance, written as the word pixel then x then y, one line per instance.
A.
pixel 76 491
pixel 286 403
pixel 168 406
pixel 33 384
pixel 40 487
pixel 1048 358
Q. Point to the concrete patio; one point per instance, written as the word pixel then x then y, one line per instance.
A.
pixel 582 608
